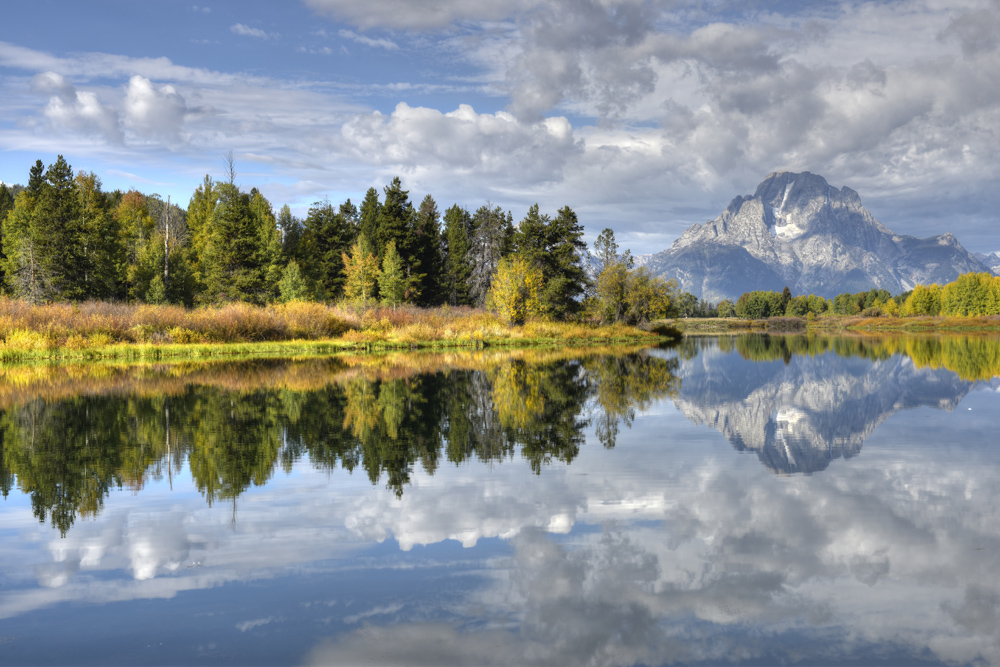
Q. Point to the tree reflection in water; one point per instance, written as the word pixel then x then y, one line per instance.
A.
pixel 72 434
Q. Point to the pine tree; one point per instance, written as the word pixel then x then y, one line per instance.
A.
pixel 58 232
pixel 268 254
pixel 200 221
pixel 103 252
pixel 428 252
pixel 457 270
pixel 556 247
pixel 291 235
pixel 368 217
pixel 6 206
pixel 326 237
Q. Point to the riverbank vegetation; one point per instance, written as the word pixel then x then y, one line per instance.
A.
pixel 107 330
pixel 89 272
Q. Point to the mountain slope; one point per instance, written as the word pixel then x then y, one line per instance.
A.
pixel 799 231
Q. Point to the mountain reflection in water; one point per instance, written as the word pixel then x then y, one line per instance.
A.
pixel 799 402
pixel 518 508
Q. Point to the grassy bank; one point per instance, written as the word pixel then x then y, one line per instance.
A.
pixel 917 324
pixel 97 330
pixel 838 323
pixel 719 325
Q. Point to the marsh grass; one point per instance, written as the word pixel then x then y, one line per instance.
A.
pixel 93 330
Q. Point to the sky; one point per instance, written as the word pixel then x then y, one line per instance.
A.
pixel 644 116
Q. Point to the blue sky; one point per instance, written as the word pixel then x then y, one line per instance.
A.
pixel 643 115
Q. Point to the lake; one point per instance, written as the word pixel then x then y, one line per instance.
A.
pixel 730 500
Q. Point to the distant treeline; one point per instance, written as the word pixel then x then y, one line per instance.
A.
pixel 969 295
pixel 65 239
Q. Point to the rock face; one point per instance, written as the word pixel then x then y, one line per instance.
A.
pixel 992 261
pixel 799 231
pixel 800 414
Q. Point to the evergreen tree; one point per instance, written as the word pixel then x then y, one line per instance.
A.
pixel 291 230
pixel 556 247
pixel 394 220
pixel 268 244
pixel 428 252
pixel 457 270
pixel 200 221
pixel 59 236
pixel 392 281
pixel 326 237
pixel 368 217
pixel 6 206
pixel 242 251
pixel 103 253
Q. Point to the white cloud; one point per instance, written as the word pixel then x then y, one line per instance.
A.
pixel 70 109
pixel 247 31
pixel 415 14
pixel 463 143
pixel 152 111
pixel 386 44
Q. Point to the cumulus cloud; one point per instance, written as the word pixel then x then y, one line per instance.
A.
pixel 413 139
pixel 152 111
pixel 77 110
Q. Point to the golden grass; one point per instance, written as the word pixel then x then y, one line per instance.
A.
pixel 111 330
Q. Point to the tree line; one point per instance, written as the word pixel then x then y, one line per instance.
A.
pixel 969 295
pixel 65 239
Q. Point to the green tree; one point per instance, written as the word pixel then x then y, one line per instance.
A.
pixel 428 252
pixel 293 286
pixel 369 216
pixel 393 284
pixel 327 236
pixel 457 270
pixel 556 247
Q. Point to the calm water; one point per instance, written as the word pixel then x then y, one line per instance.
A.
pixel 748 500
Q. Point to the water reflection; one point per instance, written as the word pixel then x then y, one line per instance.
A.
pixel 800 402
pixel 234 424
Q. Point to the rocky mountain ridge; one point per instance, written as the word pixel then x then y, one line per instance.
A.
pixel 798 230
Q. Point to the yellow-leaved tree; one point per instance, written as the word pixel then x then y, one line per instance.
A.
pixel 515 290
pixel 360 272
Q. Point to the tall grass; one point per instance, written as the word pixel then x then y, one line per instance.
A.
pixel 114 330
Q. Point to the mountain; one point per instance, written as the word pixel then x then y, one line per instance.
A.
pixel 798 230
pixel 799 414
pixel 992 261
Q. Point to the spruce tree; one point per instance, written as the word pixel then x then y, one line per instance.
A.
pixel 368 217
pixel 457 270
pixel 326 236
pixel 428 252
pixel 392 282
pixel 59 237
